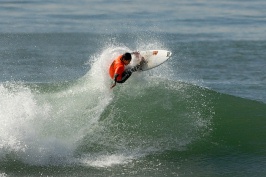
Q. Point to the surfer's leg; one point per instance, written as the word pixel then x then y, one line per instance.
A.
pixel 139 66
pixel 135 68
pixel 126 74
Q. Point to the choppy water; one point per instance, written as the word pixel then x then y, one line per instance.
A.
pixel 202 113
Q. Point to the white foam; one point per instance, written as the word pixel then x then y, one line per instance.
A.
pixel 18 106
pixel 46 128
pixel 3 175
pixel 20 132
pixel 105 160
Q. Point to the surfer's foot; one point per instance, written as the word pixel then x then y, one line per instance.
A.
pixel 142 62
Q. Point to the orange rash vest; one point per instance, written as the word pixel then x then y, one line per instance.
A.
pixel 117 67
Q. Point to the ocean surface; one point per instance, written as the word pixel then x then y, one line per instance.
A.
pixel 201 113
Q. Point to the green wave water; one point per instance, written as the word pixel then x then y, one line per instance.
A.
pixel 153 125
pixel 160 127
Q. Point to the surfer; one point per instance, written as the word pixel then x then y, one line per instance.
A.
pixel 117 69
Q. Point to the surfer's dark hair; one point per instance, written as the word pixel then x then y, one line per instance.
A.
pixel 127 56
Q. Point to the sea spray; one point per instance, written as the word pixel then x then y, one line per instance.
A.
pixel 41 127
pixel 84 122
pixel 150 113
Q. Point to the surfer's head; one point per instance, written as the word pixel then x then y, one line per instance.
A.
pixel 126 58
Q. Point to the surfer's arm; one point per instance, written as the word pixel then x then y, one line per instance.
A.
pixel 115 79
pixel 125 76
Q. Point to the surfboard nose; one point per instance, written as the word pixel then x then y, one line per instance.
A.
pixel 169 54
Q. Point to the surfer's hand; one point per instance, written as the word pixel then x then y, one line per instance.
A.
pixel 137 54
pixel 113 85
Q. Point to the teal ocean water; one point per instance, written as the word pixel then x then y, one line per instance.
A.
pixel 202 113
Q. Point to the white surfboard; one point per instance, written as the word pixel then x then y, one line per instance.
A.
pixel 152 58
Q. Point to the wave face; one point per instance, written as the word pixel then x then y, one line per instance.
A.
pixel 154 122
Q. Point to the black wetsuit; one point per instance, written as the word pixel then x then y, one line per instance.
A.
pixel 127 73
